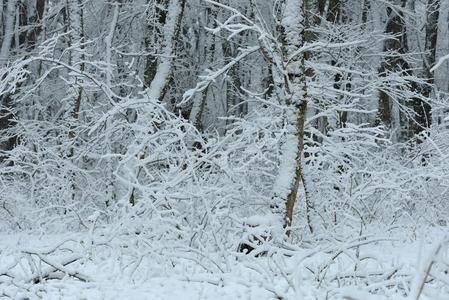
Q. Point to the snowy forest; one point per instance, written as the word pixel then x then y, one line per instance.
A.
pixel 224 149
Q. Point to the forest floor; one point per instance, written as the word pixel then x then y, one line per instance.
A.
pixel 378 268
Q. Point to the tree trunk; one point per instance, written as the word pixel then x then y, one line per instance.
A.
pixel 158 70
pixel 37 27
pixel 200 100
pixel 422 109
pixel 6 115
pixel 153 38
pixel 8 32
pixel 395 46
pixel 365 10
pixel 110 191
pixel 301 109
pixel 75 27
pixel 290 175
pixel 333 13
pixel 24 36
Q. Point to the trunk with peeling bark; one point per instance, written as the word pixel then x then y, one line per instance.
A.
pixel 301 109
pixel 290 177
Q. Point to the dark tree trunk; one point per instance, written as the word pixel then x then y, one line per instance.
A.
pixel 395 46
pixel 26 41
pixel 155 30
pixel 333 12
pixel 422 109
pixel 365 10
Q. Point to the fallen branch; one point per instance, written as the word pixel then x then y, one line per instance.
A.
pixel 56 266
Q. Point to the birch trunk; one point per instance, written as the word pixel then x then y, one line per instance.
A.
pixel 290 175
pixel 9 32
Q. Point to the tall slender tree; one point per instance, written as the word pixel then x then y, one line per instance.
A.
pixel 293 26
pixel 422 107
pixel 395 46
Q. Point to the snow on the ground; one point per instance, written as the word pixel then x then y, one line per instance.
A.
pixel 157 288
pixel 386 262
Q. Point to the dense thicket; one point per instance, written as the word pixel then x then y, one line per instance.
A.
pixel 204 127
pixel 194 121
